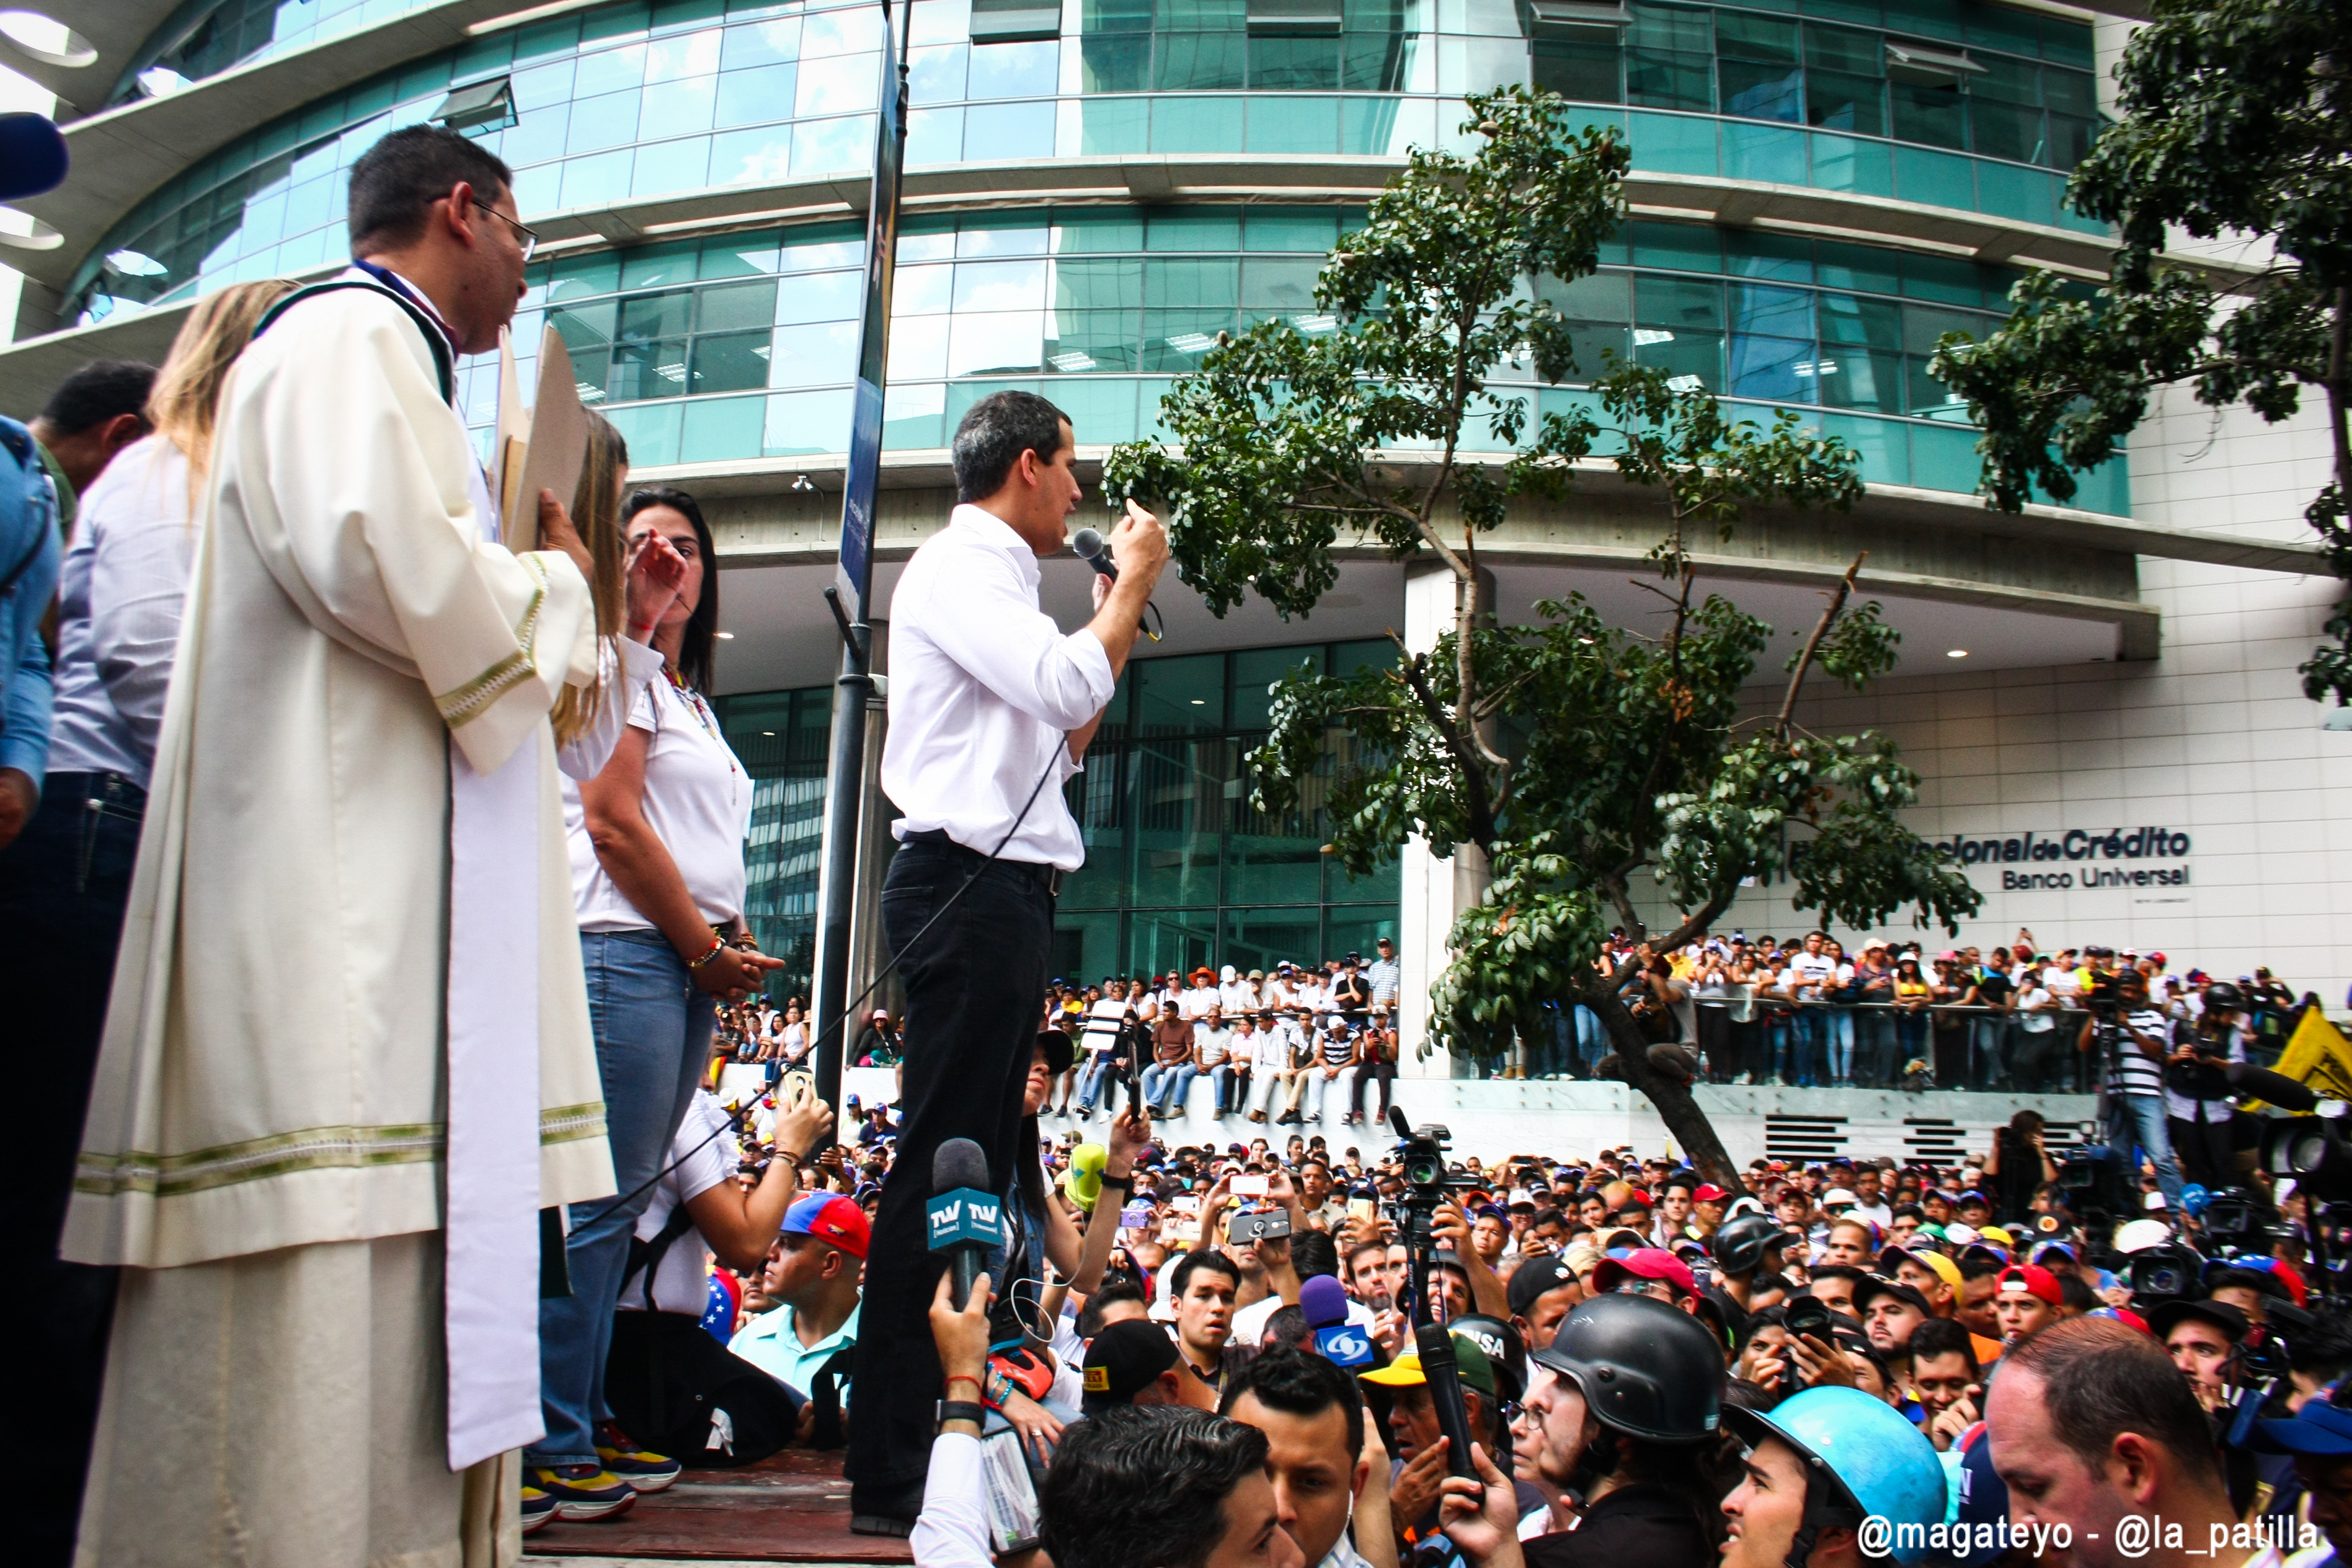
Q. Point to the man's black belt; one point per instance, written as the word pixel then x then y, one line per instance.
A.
pixel 1048 877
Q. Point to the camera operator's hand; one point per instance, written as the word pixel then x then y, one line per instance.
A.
pixel 1451 1227
pixel 1482 1516
pixel 1131 1133
pixel 1415 1490
pixel 1822 1363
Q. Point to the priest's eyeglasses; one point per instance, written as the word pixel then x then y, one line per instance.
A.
pixel 528 238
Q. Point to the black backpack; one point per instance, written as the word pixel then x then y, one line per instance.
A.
pixel 676 1389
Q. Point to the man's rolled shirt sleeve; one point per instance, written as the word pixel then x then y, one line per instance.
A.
pixel 1003 640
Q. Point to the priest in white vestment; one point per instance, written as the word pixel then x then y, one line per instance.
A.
pixel 312 1098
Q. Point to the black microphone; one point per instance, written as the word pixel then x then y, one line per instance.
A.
pixel 965 1220
pixel 2277 1088
pixel 1439 1370
pixel 1089 543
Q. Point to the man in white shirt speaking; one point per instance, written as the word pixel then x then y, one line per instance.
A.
pixel 991 706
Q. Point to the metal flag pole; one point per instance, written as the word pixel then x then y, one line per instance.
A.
pixel 853 578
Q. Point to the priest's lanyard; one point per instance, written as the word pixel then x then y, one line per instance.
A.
pixel 736 1119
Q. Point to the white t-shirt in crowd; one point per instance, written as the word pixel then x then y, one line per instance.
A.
pixel 2040 1021
pixel 697 800
pixel 682 1283
pixel 1104 1021
pixel 1249 1323
pixel 1809 969
pixel 1214 1044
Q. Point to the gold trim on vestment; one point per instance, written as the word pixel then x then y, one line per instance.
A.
pixel 313 1148
pixel 477 696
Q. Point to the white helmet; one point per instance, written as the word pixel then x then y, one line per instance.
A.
pixel 2142 1234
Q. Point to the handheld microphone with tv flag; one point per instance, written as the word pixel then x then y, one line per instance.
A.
pixel 1337 1341
pixel 964 1219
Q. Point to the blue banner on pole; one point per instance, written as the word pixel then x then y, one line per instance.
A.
pixel 856 570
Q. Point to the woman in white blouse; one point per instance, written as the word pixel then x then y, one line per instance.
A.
pixel 659 883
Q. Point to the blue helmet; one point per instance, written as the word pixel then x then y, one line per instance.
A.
pixel 1875 1463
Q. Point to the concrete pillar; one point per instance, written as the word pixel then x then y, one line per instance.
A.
pixel 1434 890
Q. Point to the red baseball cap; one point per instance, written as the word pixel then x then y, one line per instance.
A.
pixel 1710 1193
pixel 2032 1279
pixel 1647 1263
pixel 831 1218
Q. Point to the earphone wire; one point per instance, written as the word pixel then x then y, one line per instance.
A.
pixel 737 1118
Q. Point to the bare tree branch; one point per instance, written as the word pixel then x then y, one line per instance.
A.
pixel 1821 629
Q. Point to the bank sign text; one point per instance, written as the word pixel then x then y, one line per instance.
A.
pixel 2077 845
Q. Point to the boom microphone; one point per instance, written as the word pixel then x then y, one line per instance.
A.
pixel 1088 543
pixel 2275 1087
pixel 966 1221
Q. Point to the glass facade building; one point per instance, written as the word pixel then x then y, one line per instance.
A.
pixel 1181 869
pixel 707 287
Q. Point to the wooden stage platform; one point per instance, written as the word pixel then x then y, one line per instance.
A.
pixel 791 1507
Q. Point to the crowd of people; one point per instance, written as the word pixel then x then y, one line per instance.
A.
pixel 1311 1043
pixel 285 604
pixel 1649 1363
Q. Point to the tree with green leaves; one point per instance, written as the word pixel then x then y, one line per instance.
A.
pixel 2237 122
pixel 1559 762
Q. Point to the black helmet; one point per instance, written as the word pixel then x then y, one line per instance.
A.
pixel 1740 1242
pixel 1645 1369
pixel 2224 993
pixel 1506 1351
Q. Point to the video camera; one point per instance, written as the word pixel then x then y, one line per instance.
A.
pixel 1420 1152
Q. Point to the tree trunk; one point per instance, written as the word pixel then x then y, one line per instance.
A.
pixel 1474 872
pixel 1676 1105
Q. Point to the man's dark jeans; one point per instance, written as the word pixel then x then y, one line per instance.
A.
pixel 975 989
pixel 63 884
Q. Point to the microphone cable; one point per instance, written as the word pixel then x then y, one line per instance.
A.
pixel 1052 762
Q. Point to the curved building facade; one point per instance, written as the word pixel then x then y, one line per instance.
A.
pixel 1097 188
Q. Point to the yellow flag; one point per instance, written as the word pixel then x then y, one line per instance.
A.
pixel 2319 1056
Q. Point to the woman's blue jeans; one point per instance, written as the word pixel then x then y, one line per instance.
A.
pixel 653 1037
pixel 1591 1040
pixel 1165 1083
pixel 1097 1074
pixel 1840 1044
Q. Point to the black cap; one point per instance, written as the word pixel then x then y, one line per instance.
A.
pixel 2220 1314
pixel 1124 1360
pixel 1876 1285
pixel 1533 1278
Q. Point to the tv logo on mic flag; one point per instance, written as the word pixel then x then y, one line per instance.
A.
pixel 1344 1345
pixel 964 1216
